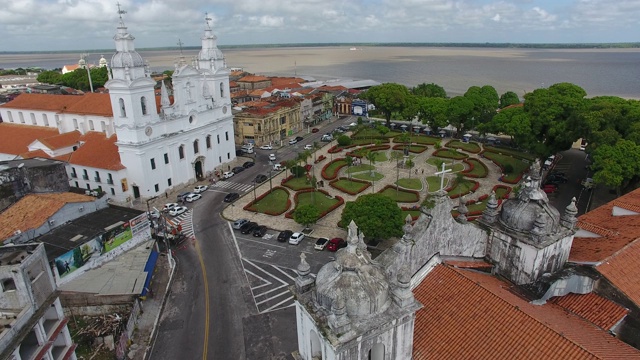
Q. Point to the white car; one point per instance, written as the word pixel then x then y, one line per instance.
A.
pixel 238 223
pixel 308 147
pixel 177 210
pixel 169 206
pixel 272 157
pixel 266 147
pixel 296 238
pixel 227 174
pixel 292 141
pixel 193 197
pixel 200 189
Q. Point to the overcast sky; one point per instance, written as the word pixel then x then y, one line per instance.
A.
pixel 27 25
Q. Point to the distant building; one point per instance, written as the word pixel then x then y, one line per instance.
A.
pixel 33 324
pixel 267 122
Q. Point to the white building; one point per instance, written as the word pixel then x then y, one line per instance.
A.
pixel 131 143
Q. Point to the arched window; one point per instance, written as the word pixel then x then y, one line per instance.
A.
pixel 103 127
pixel 221 89
pixel 208 141
pixel 91 125
pixel 143 104
pixel 181 151
pixel 196 147
pixel 45 119
pixel 123 111
pixel 21 117
pixel 33 119
pixel 377 352
pixel 10 116
pixel 75 124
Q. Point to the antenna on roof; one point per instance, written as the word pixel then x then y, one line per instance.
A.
pixel 180 43
pixel 207 18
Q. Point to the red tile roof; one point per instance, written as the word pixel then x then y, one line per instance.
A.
pixel 472 315
pixel 98 152
pixel 622 270
pixel 91 104
pixel 616 231
pixel 15 139
pixel 253 79
pixel 62 140
pixel 34 154
pixel 87 104
pixel 33 210
pixel 469 264
pixel 596 309
pixel 286 81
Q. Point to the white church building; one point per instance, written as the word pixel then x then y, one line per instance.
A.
pixel 131 143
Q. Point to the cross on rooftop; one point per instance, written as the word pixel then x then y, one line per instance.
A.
pixel 207 18
pixel 442 172
pixel 120 11
pixel 180 43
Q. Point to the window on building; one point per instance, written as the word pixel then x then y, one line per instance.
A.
pixel 75 124
pixel 169 182
pixel 91 125
pixel 21 117
pixel 103 127
pixel 222 90
pixel 143 105
pixel 208 141
pixel 45 120
pixel 33 119
pixel 196 147
pixel 181 151
pixel 226 135
pixel 220 159
pixel 109 179
pixel 88 187
pixel 113 192
pixel 228 156
pixel 73 172
pixel 10 116
pixel 153 164
pixel 123 111
pixel 218 136
pixel 283 120
pixel 156 187
pixel 166 158
pixel 8 284
pixel 97 177
pixel 77 185
pixel 85 175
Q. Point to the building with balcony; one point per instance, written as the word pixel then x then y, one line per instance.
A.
pixel 267 122
pixel 33 325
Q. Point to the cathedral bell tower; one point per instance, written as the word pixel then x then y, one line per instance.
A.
pixel 131 90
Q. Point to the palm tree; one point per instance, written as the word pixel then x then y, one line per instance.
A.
pixel 371 156
pixel 349 160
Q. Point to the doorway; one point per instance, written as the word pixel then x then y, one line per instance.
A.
pixel 136 192
pixel 198 168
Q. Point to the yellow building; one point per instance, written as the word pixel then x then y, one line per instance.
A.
pixel 264 122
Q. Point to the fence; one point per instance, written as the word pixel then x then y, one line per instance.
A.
pixel 127 333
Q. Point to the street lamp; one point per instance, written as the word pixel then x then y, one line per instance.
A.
pixel 270 169
pixel 254 190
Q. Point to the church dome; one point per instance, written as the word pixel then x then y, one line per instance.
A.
pixel 129 59
pixel 103 61
pixel 531 208
pixel 361 283
pixel 211 53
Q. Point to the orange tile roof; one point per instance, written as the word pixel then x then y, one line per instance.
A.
pixel 34 154
pixel 469 264
pixel 61 140
pixel 87 104
pixel 593 307
pixel 15 138
pixel 472 315
pixel 33 210
pixel 98 152
pixel 253 78
pixel 286 81
pixel 622 270
pixel 616 231
pixel 72 67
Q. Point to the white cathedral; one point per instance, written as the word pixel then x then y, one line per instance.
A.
pixel 130 142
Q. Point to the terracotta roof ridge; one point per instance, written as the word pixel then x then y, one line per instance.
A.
pixel 597 229
pixel 625 205
pixel 623 249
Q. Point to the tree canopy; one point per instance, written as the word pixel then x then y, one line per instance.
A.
pixel 388 98
pixel 306 214
pixel 376 215
pixel 429 91
pixel 509 98
pixel 616 165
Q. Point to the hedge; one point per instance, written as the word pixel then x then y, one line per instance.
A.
pixel 320 158
pixel 412 148
pixel 471 163
pixel 475 187
pixel 365 184
pixel 450 154
pixel 249 206
pixel 333 176
pixel 394 187
pixel 289 215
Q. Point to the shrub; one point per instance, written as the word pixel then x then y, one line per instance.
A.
pixel 344 140
pixel 508 169
pixel 298 171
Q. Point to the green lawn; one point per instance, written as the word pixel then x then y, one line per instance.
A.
pixel 360 168
pixel 478 169
pixel 450 154
pixel 434 183
pixel 298 183
pixel 380 156
pixel 401 196
pixel 401 155
pixel 368 141
pixel 349 186
pixel 332 169
pixel 471 147
pixel 454 167
pixel 275 202
pixel 516 153
pixel 464 187
pixel 474 208
pixel 501 192
pixel 413 184
pixel 322 202
pixel 519 166
pixel 366 176
pixel 422 139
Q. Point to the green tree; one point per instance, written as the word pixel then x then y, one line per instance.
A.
pixel 513 122
pixel 344 140
pixel 349 161
pixel 376 215
pixel 371 156
pixel 433 112
pixel 306 215
pixel 459 111
pixel 485 103
pixel 383 130
pixel 509 98
pixel 290 164
pixel 429 91
pixel 168 73
pixel 388 98
pixel 617 166
pixel 77 257
pixel 50 77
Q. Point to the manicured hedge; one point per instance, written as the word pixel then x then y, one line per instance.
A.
pixel 249 206
pixel 393 188
pixel 365 185
pixel 507 190
pixel 473 170
pixel 416 149
pixel 508 178
pixel 471 147
pixel 475 187
pixel 327 176
pixel 450 154
pixel 320 158
pixel 322 214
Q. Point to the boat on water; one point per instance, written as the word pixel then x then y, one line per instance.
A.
pixel 353 48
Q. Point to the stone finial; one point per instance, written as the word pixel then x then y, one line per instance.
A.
pixel 538 231
pixel 407 227
pixel 569 219
pixel 352 236
pixel 303 282
pixel 401 292
pixel 303 267
pixel 338 320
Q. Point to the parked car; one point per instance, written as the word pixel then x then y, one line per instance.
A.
pixel 200 189
pixel 314 130
pixel 260 178
pixel 299 138
pixel 177 210
pixel 549 189
pixel 231 197
pixel 308 147
pixel 295 238
pixel 183 195
pixel 272 157
pixel 193 197
pixel 248 164
pixel 248 227
pixel 335 244
pixel 554 181
pixel 266 147
pixel 238 223
pixel 169 206
pixel 278 167
pixel 237 169
pixel 292 141
pixel 153 214
pixel 326 138
pixel 227 174
pixel 321 243
pixel 260 231
pixel 560 178
pixel 285 235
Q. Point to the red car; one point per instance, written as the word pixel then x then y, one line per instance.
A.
pixel 335 244
pixel 549 189
pixel 314 130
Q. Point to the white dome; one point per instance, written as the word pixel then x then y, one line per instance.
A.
pixel 129 59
